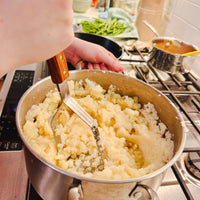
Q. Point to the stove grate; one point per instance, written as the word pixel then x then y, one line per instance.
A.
pixel 184 91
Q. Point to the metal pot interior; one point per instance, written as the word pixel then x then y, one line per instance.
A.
pixel 126 86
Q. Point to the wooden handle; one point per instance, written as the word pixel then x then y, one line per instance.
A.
pixel 58 68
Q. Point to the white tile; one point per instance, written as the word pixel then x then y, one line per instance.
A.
pixel 197 2
pixel 176 26
pixel 170 6
pixel 178 7
pixel 184 21
pixel 191 13
pixel 180 29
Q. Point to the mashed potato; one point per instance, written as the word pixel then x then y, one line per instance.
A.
pixel 136 142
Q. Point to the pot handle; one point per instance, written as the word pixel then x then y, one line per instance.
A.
pixel 137 192
pixel 75 191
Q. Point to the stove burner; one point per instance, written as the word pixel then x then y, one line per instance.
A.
pixel 192 163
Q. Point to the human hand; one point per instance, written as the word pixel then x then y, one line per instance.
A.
pixel 33 31
pixel 94 56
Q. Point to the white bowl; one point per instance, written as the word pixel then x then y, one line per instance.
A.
pixel 81 6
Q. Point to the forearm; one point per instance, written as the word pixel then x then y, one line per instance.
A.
pixel 33 31
pixel 8 58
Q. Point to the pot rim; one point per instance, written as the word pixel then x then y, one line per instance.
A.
pixel 174 39
pixel 105 181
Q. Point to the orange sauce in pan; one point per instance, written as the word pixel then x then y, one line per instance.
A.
pixel 173 46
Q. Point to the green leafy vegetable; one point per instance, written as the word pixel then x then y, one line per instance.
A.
pixel 108 27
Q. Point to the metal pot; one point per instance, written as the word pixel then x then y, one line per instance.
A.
pixel 53 183
pixel 166 54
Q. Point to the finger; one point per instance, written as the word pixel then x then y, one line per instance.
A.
pixel 84 67
pixel 103 67
pixel 84 64
pixel 110 61
pixel 96 66
pixel 113 64
pixel 89 66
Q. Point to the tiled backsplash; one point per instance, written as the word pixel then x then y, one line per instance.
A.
pixel 183 20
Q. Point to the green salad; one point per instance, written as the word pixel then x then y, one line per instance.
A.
pixel 107 27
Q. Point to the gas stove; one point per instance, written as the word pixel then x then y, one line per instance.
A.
pixel 182 180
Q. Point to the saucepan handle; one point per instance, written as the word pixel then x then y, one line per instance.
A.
pixel 139 191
